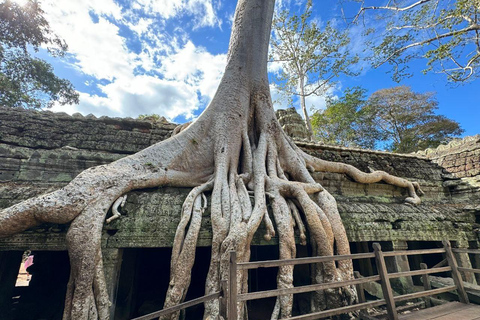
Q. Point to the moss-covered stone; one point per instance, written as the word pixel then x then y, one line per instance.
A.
pixel 42 151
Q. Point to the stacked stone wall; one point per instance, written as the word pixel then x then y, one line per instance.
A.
pixel 48 130
pixel 461 157
pixel 43 151
pixel 292 123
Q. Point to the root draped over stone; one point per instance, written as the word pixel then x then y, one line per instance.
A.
pixel 237 151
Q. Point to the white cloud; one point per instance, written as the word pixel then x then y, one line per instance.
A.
pixel 98 48
pixel 141 25
pixel 181 76
pixel 203 11
pixel 275 67
pixel 141 95
pixel 197 67
pixel 314 102
pixel 279 101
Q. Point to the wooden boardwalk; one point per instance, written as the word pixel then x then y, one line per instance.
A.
pixel 448 311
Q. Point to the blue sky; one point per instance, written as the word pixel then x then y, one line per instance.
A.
pixel 132 57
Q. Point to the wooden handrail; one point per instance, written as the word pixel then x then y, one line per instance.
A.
pixel 371 304
pixel 383 276
pixel 468 270
pixel 442 263
pixel 418 272
pixel 412 252
pixel 426 284
pixel 278 263
pixel 457 278
pixel 461 250
pixel 333 312
pixel 180 306
pixel 423 293
pixel 303 289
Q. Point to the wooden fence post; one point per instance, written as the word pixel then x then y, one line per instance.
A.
pixel 223 298
pixel 385 282
pixel 426 285
pixel 359 287
pixel 457 278
pixel 232 287
pixel 360 293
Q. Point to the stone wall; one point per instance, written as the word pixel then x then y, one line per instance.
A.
pixel 461 157
pixel 292 123
pixel 42 151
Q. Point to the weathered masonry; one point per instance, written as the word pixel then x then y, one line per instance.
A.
pixel 42 151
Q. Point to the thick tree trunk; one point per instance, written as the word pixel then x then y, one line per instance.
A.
pixel 236 147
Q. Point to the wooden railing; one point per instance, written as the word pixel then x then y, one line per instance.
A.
pixel 470 251
pixel 181 306
pixel 231 297
pixel 449 265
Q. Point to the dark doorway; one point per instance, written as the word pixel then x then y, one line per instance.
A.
pixel 144 281
pixel 44 296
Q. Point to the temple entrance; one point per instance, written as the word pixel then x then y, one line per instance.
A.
pixel 144 278
pixel 33 291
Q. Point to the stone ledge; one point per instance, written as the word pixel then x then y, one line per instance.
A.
pixel 150 219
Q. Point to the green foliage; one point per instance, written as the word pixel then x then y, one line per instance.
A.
pixel 408 121
pixel 310 55
pixel 26 81
pixel 397 119
pixel 346 122
pixel 444 32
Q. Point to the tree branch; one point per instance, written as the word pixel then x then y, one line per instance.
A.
pixel 474 27
pixel 418 3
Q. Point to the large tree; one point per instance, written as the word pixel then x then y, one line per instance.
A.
pixel 346 121
pixel 396 119
pixel 445 32
pixel 406 120
pixel 27 81
pixel 235 147
pixel 311 56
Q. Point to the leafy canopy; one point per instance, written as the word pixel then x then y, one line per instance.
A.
pixel 444 32
pixel 345 121
pixel 397 119
pixel 26 81
pixel 408 121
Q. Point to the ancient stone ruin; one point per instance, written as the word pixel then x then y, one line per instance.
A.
pixel 42 151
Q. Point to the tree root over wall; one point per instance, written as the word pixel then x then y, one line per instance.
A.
pixel 236 148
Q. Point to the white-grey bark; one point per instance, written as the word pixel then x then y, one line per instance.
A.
pixel 306 118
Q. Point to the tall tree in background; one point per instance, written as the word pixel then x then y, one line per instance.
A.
pixel 311 56
pixel 396 119
pixel 407 120
pixel 26 81
pixel 445 32
pixel 346 122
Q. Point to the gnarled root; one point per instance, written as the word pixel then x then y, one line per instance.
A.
pixel 285 226
pixel 413 188
pixel 87 296
pixel 183 252
pixel 120 202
